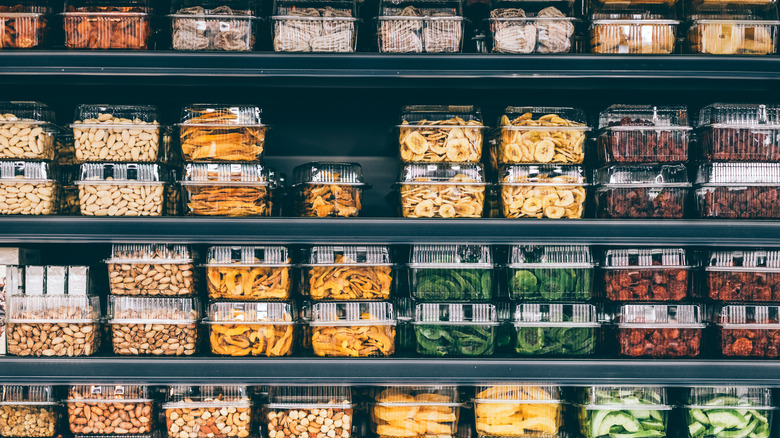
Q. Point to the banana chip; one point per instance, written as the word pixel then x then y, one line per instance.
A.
pixel 562 143
pixel 542 200
pixel 419 199
pixel 434 141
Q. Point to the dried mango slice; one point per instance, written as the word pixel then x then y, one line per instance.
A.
pixel 255 339
pixel 354 341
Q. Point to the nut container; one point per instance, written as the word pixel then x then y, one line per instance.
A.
pixel 328 189
pixel 311 410
pixel 104 24
pixel 251 329
pixel 455 329
pixel 151 270
pixel 549 273
pixel 24 24
pixel 749 275
pixel 248 273
pixel 213 25
pixel 605 411
pixel 642 191
pixel 556 329
pixel 738 190
pixel 70 324
pixel 635 134
pixel 47 280
pixel 420 26
pixel 750 330
pixel 209 132
pixel 529 27
pixel 348 273
pixel 451 272
pixel 28 188
pixel 28 411
pixel 518 410
pixel 712 412
pixel 208 412
pixel 116 133
pixel 646 29
pixel 227 189
pixel 314 26
pixel 540 135
pixel 154 326
pixel 442 190
pixel 740 132
pixel 26 129
pixel 110 410
pixel 414 411
pixel 121 189
pixel 353 329
pixel 441 133
pixel 647 274
pixel 733 29
pixel 660 330
pixel 542 191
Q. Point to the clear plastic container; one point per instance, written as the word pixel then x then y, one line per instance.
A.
pixel 414 411
pixel 744 275
pixel 348 273
pixel 530 27
pixel 328 407
pixel 210 132
pixel 208 412
pixel 116 133
pixel 455 329
pixel 542 191
pixel 733 29
pixel 248 273
pixel 213 25
pixel 750 331
pixel 660 330
pixel 724 411
pixel 328 189
pixel 28 188
pixel 404 313
pixel 738 190
pixel 605 411
pixel 64 147
pixel 314 26
pixel 152 270
pixel 451 272
pixel 154 326
pixel 251 329
pixel 227 189
pixel 70 324
pixel 103 24
pixel 518 410
pixel 442 190
pixel 647 274
pixel 633 134
pixel 121 189
pixel 556 329
pixel 441 133
pixel 420 26
pixel 740 132
pixel 26 129
pixel 24 24
pixel 353 329
pixel 550 273
pixel 540 135
pixel 110 410
pixel 646 29
pixel 642 191
pixel 28 411
pixel 69 191
pixel 47 280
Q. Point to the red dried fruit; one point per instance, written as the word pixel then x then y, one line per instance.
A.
pixel 660 342
pixel 646 284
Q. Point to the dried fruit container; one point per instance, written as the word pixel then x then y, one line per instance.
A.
pixel 441 133
pixel 451 272
pixel 110 410
pixel 154 326
pixel 740 132
pixel 47 280
pixel 328 407
pixel 227 189
pixel 353 329
pixel 414 411
pixel 28 188
pixel 455 329
pixel 314 26
pixel 634 134
pixel 210 132
pixel 738 190
pixel 208 411
pixel 26 128
pixel 24 24
pixel 642 191
pixel 104 24
pixel 556 329
pixel 117 133
pixel 28 411
pixel 442 190
pixel 518 410
pixel 646 29
pixel 549 273
pixel 528 27
pixel 749 330
pixel 541 135
pixel 660 330
pixel 420 26
pixel 248 273
pixel 647 274
pixel 736 29
pixel 213 25
pixel 152 270
pixel 744 275
pixel 122 189
pixel 348 273
pixel 542 191
pixel 724 411
pixel 251 329
pixel 605 411
pixel 328 189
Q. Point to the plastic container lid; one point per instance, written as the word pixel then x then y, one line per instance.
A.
pixel 206 114
pixel 625 397
pixel 356 313
pixel 244 312
pixel 644 14
pixel 420 9
pixel 643 175
pixel 550 257
pixel 520 392
pixel 645 258
pixel 23 8
pixel 527 118
pixel 459 256
pixel 713 397
pixel 108 7
pixel 660 315
pixel 211 8
pixel 132 116
pixel 740 115
pixel 403 395
pixel 348 256
pixel 744 261
pixel 324 172
pixel 152 254
pixel 28 395
pixel 27 112
pixel 542 175
pixel 556 315
pixel 49 280
pixel 91 173
pixel 248 256
pixel 735 14
pixel 26 171
pixel 125 393
pixel 207 396
pixel 432 114
pixel 309 397
pixel 327 9
pixel 750 316
pixel 232 173
pixel 143 310
pixel 644 117
pixel 456 314
pixel 49 308
pixel 743 174
pixel 443 174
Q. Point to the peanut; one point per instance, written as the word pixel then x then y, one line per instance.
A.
pixel 114 143
pixel 24 140
pixel 120 199
pixel 28 198
pixel 169 279
pixel 52 338
pixel 208 422
pixel 311 423
pixel 114 417
pixel 27 421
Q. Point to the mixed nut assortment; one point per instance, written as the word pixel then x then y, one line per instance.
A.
pixel 25 420
pixel 309 422
pixel 210 418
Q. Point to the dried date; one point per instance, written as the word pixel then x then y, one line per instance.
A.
pixel 642 202
pixel 757 202
pixel 646 284
pixel 660 342
pixel 744 286
pixel 729 144
pixel 750 343
pixel 644 146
